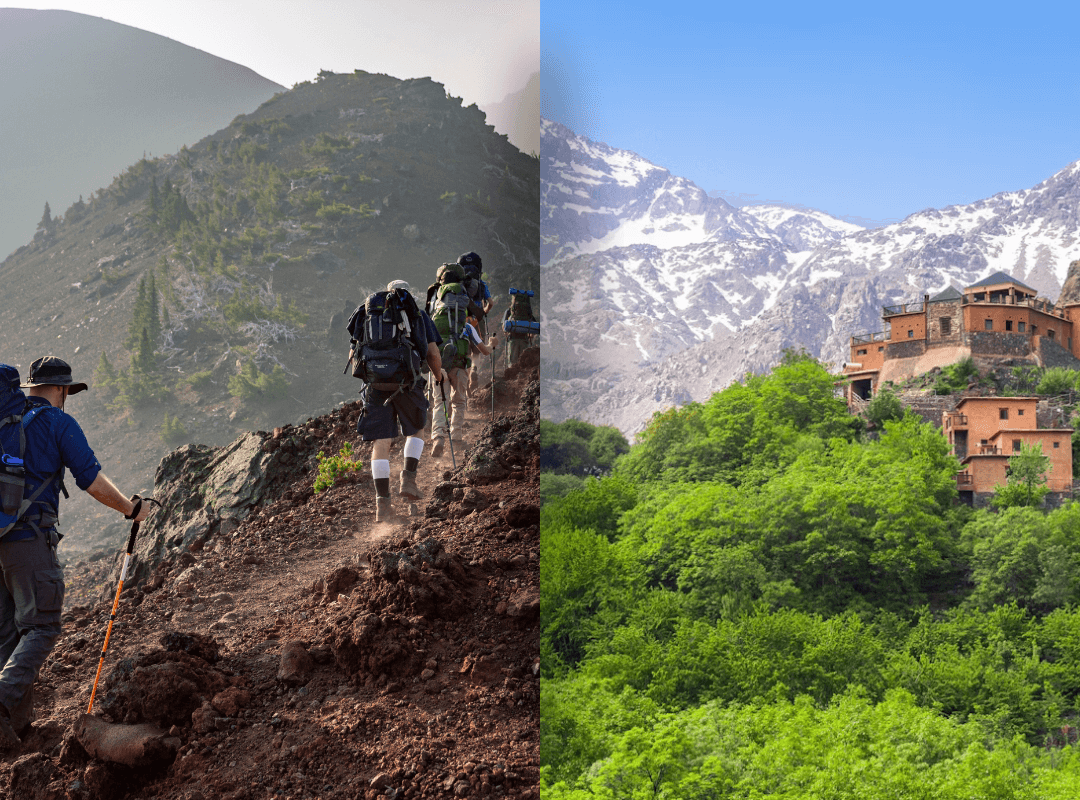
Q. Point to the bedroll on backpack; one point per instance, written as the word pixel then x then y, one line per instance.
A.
pixel 13 421
pixel 382 330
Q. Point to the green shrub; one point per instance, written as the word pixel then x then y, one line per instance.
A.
pixel 956 377
pixel 1057 380
pixel 251 384
pixel 333 467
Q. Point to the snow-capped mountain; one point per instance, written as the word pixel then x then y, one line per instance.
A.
pixel 660 294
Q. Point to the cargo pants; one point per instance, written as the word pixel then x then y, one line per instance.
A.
pixel 31 600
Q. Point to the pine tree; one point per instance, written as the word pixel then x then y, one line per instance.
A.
pixel 153 320
pixel 145 361
pixel 139 317
pixel 105 374
pixel 46 222
pixel 155 201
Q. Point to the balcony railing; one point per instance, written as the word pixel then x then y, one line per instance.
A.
pixel 868 338
pixel 1042 306
pixel 988 450
pixel 956 421
pixel 906 308
pixel 965 479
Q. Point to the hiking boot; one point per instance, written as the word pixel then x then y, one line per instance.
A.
pixel 8 738
pixel 384 511
pixel 437 448
pixel 408 486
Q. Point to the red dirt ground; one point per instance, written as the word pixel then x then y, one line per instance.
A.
pixel 313 653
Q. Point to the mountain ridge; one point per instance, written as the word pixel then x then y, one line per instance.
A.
pixel 86 97
pixel 774 279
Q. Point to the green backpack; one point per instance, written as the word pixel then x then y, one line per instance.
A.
pixel 449 313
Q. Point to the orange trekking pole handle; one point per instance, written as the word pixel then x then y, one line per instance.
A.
pixel 138 501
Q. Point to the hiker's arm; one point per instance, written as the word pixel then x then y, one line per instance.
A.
pixel 434 360
pixel 105 492
pixel 487 349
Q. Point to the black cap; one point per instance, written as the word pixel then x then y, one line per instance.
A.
pixel 470 259
pixel 51 371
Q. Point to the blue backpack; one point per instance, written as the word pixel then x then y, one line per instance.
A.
pixel 14 419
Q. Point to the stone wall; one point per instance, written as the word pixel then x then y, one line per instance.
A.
pixel 905 348
pixel 950 310
pixel 998 344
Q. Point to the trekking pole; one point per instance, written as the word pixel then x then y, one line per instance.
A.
pixel 493 383
pixel 446 415
pixel 138 501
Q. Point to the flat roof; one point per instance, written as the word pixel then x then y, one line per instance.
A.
pixel 996 399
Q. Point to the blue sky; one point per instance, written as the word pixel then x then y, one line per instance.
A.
pixel 869 110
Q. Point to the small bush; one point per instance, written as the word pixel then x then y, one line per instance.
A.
pixel 333 467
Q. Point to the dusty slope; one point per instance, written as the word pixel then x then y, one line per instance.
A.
pixel 312 653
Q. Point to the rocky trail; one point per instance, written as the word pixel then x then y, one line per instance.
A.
pixel 305 651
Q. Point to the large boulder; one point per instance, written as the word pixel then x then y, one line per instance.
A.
pixel 199 487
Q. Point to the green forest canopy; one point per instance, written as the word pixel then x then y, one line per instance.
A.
pixel 760 600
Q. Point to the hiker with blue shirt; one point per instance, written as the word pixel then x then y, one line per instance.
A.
pixel 480 294
pixel 32 585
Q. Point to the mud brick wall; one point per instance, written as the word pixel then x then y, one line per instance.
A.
pixel 999 344
pixel 905 348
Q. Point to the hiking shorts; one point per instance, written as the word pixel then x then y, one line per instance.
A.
pixel 386 414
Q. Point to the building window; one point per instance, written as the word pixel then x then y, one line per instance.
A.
pixel 1003 413
pixel 1034 329
pixel 881 349
pixel 1057 445
pixel 1019 412
pixel 1016 445
pixel 946 326
pixel 989 324
pixel 861 352
pixel 911 334
pixel 1021 326
pixel 1008 324
pixel 1050 335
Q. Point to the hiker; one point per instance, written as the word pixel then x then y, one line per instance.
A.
pixel 520 310
pixel 450 308
pixel 479 293
pixel 32 590
pixel 391 339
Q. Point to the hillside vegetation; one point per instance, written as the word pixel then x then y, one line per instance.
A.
pixel 763 600
pixel 206 292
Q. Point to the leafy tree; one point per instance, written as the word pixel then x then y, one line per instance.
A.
pixel 1057 380
pixel 578 448
pixel 885 406
pixel 1026 479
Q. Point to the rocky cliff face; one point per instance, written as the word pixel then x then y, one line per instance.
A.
pixel 659 295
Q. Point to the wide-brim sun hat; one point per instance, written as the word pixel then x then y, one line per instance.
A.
pixel 397 285
pixel 52 371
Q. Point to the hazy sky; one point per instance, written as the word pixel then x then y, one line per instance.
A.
pixel 874 110
pixel 480 51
